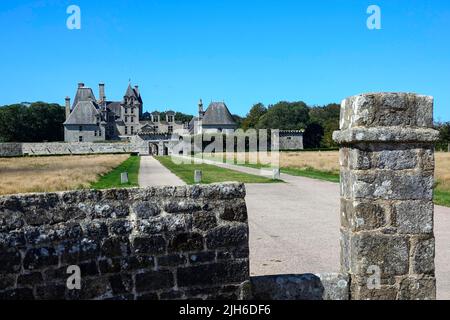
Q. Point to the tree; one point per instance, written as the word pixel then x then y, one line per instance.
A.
pixel 313 136
pixel 444 135
pixel 285 116
pixel 252 118
pixel 35 123
pixel 327 117
pixel 179 116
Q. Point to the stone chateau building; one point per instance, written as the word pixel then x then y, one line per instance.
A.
pixel 91 119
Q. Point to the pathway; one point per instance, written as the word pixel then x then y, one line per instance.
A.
pixel 153 173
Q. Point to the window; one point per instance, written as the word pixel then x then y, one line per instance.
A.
pixel 80 139
pixel 80 128
pixel 132 110
pixel 170 118
pixel 156 128
pixel 126 110
pixel 132 119
pixel 126 118
pixel 126 130
pixel 132 130
pixel 100 132
pixel 95 133
pixel 170 129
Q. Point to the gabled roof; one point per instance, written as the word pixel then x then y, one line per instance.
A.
pixel 85 112
pixel 218 114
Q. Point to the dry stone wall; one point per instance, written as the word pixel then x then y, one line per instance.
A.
pixel 387 168
pixel 155 243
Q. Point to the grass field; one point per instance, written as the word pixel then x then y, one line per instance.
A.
pixel 210 173
pixel 46 174
pixel 325 166
pixel 112 178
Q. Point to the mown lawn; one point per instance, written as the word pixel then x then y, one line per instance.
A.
pixel 112 179
pixel 210 173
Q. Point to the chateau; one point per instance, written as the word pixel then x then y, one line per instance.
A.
pixel 91 119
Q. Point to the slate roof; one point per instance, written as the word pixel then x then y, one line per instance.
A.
pixel 133 92
pixel 218 114
pixel 130 92
pixel 85 113
pixel 83 94
pixel 114 107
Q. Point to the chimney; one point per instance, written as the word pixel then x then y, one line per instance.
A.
pixel 101 92
pixel 200 109
pixel 67 107
pixel 80 85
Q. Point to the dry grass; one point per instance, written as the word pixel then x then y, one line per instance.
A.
pixel 46 174
pixel 329 161
pixel 442 172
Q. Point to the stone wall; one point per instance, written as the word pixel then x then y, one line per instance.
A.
pixel 155 243
pixel 291 140
pixel 74 148
pixel 10 149
pixel 387 167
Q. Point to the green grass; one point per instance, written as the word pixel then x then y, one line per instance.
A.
pixel 442 197
pixel 112 179
pixel 313 174
pixel 210 173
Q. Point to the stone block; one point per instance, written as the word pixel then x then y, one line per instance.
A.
pixel 204 221
pixel 387 109
pixel 414 217
pixel 40 257
pixel 236 211
pixel 186 242
pixel 422 255
pixel 417 288
pixel 212 274
pixel 153 245
pixel 154 280
pixel 227 236
pixel 388 252
pixel 172 260
pixel 390 185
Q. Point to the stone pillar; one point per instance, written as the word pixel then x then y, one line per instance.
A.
pixel 387 168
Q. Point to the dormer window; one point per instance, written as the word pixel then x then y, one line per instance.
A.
pixel 170 118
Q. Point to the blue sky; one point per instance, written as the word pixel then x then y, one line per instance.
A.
pixel 238 51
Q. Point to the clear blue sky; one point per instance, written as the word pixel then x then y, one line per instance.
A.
pixel 239 51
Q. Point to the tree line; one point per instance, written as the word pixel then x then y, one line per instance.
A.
pixel 318 122
pixel 35 122
pixel 40 121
